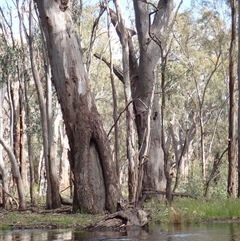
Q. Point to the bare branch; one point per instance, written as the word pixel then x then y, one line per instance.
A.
pixel 117 71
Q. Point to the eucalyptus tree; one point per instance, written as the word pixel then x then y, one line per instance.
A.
pixel 146 172
pixel 230 6
pixel 95 180
pixel 52 197
pixel 10 61
pixel 191 101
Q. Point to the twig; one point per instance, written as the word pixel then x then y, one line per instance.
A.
pixel 65 189
pixel 123 112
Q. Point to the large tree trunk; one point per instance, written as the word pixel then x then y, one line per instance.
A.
pixel 96 185
pixel 143 80
pixel 151 42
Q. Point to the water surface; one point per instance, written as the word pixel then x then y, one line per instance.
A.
pixel 203 232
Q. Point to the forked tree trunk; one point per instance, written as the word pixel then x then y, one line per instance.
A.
pixel 95 179
pixel 143 79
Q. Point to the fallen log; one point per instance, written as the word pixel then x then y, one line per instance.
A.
pixel 57 210
pixel 124 219
pixel 174 194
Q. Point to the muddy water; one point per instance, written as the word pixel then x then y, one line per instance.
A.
pixel 203 232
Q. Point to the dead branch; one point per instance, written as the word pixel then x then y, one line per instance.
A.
pixel 117 71
pixel 93 37
pixel 123 112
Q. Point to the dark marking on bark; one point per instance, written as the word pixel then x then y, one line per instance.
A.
pixel 155 115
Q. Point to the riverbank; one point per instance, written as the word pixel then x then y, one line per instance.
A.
pixel 30 219
pixel 183 211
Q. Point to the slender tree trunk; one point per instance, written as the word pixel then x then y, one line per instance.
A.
pixel 96 187
pixel 202 145
pixel 64 172
pixel 238 102
pixel 53 198
pixel 16 174
pixel 23 93
pixel 114 96
pixel 11 114
pixel 165 149
pixel 52 144
pixel 132 153
pixel 232 145
pixel 18 137
pixel 42 105
pixel 3 173
pixel 29 144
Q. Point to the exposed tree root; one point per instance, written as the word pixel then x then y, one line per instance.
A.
pixel 122 220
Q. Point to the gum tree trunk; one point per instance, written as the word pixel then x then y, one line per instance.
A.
pixel 95 179
pixel 151 38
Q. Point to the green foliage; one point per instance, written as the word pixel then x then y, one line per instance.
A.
pixel 197 98
pixel 195 183
pixel 218 185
